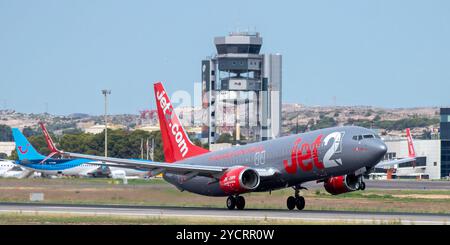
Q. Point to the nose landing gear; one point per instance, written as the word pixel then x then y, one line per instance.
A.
pixel 235 202
pixel 361 185
pixel 296 200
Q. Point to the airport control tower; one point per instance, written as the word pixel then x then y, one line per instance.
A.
pixel 241 90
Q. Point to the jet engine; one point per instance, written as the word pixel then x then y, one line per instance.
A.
pixel 239 180
pixel 342 184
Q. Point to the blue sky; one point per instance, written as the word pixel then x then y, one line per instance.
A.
pixel 381 53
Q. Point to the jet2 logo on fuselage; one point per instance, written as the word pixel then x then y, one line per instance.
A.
pixel 305 156
pixel 336 147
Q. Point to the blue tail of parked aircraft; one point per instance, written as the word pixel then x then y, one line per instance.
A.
pixel 24 149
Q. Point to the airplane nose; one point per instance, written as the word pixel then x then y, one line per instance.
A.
pixel 377 150
pixel 381 149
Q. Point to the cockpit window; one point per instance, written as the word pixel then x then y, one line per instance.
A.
pixel 366 136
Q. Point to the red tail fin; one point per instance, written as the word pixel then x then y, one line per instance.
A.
pixel 411 151
pixel 51 146
pixel 176 143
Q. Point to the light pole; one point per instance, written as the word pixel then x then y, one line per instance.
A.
pixel 106 92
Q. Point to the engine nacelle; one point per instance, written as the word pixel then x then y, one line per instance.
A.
pixel 342 184
pixel 239 180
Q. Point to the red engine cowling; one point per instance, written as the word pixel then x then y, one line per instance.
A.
pixel 239 180
pixel 341 184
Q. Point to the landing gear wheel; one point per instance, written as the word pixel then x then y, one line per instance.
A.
pixel 363 186
pixel 290 203
pixel 240 202
pixel 300 203
pixel 231 202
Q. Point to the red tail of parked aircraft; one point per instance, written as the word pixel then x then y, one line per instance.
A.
pixel 176 143
pixel 50 144
pixel 48 139
pixel 411 151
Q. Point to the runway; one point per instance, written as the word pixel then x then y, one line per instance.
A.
pixel 216 213
pixel 395 185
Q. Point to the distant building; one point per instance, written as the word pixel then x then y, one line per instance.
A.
pixel 195 131
pixel 241 90
pixel 445 142
pixel 7 147
pixel 148 128
pixel 428 163
pixel 99 128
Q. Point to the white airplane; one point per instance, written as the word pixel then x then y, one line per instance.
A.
pixel 32 160
pixel 8 169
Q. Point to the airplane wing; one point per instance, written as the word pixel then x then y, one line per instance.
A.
pixel 393 162
pixel 153 167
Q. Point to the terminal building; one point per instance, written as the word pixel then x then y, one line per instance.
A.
pixel 428 162
pixel 241 90
pixel 445 142
pixel 433 156
pixel 7 148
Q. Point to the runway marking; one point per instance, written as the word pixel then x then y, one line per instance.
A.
pixel 145 213
pixel 349 220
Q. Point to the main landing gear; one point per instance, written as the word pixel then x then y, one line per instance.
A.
pixel 235 202
pixel 296 200
pixel 361 185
